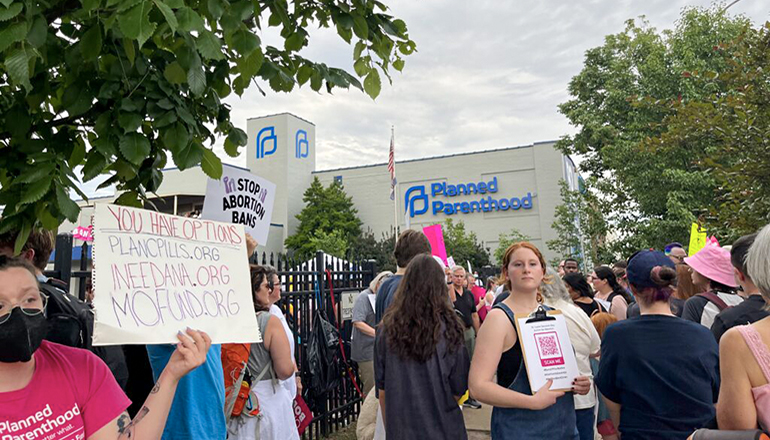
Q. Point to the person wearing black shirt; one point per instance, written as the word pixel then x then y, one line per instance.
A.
pixel 581 293
pixel 753 308
pixel 465 306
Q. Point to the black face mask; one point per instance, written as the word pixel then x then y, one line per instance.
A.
pixel 21 335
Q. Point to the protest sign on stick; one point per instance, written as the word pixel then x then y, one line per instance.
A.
pixel 697 239
pixel 243 198
pixel 156 274
pixel 436 238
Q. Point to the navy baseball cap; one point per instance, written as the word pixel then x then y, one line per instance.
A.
pixel 641 264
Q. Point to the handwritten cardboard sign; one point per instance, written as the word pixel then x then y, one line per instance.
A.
pixel 156 274
pixel 243 198
pixel 435 236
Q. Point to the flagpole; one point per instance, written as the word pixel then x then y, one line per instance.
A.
pixel 395 199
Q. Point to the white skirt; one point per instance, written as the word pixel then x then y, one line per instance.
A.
pixel 276 418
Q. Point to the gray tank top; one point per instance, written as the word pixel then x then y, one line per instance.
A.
pixel 259 357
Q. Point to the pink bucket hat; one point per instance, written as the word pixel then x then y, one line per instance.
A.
pixel 713 262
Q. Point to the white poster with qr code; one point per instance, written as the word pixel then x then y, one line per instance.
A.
pixel 548 352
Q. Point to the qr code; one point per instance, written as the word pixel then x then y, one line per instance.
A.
pixel 548 346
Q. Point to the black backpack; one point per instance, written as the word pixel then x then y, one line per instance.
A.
pixel 70 320
pixel 71 323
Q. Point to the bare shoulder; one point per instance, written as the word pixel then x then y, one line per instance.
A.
pixel 732 342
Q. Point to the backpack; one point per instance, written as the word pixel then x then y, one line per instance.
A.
pixel 70 320
pixel 714 298
pixel 71 323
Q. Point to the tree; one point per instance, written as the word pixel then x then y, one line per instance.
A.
pixel 116 86
pixel 727 135
pixel 463 245
pixel 648 197
pixel 581 229
pixel 332 243
pixel 368 247
pixel 328 217
pixel 505 240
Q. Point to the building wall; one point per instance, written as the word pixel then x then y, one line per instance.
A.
pixel 534 169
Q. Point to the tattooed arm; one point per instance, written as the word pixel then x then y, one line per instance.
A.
pixel 151 419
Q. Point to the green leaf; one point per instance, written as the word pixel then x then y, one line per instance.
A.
pixel 36 171
pixel 360 46
pixel 67 207
pixel 6 3
pixel 135 23
pixel 129 198
pixel 346 34
pixel 189 20
pixel 398 65
pixel 90 5
pixel 168 14
pixel 11 11
pixel 210 46
pixel 295 42
pixel 176 138
pixel 360 27
pixel 12 34
pixel 216 8
pixel 94 165
pixel 129 121
pixel 128 47
pixel 48 220
pixel 196 78
pixel 91 43
pixel 211 164
pixel 230 148
pixel 38 32
pixel 135 147
pixel 361 66
pixel 345 21
pixel 189 156
pixel 168 118
pixel 21 239
pixel 244 42
pixel 372 84
pixel 36 190
pixel 17 65
pixel 304 73
pixel 174 73
pixel 78 153
pixel 175 4
pixel 238 137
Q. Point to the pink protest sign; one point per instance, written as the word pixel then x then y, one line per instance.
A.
pixel 436 238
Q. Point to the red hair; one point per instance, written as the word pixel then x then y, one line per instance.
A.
pixel 507 259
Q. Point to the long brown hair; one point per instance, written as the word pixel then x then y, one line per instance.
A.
pixel 421 314
pixel 259 274
pixel 684 286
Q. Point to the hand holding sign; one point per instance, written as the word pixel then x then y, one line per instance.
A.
pixel 190 353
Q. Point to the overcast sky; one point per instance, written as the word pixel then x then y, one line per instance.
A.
pixel 487 74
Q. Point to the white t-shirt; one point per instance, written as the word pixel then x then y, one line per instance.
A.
pixel 291 383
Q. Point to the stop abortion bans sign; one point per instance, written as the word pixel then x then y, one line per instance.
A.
pixel 156 274
pixel 243 198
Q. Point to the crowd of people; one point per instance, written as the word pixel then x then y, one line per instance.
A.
pixel 666 344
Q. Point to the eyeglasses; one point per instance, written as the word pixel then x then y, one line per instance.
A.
pixel 30 306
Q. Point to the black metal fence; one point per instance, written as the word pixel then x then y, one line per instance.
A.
pixel 336 409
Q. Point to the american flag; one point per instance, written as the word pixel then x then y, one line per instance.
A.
pixel 392 167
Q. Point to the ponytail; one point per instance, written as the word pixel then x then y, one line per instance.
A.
pixel 606 274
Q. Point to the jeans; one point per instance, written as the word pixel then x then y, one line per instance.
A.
pixel 584 419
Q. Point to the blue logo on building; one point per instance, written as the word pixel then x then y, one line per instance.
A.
pixel 441 189
pixel 263 137
pixel 410 200
pixel 302 147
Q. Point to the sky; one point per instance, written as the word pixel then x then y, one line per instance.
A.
pixel 486 74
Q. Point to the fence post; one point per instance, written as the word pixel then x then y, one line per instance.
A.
pixel 320 266
pixel 370 269
pixel 62 263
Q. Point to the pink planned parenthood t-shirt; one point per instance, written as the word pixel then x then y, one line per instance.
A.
pixel 72 395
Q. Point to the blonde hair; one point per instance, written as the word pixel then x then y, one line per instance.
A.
pixel 757 262
pixel 375 284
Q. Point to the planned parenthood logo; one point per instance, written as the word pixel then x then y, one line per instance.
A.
pixel 266 137
pixel 417 201
pixel 302 147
